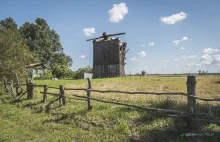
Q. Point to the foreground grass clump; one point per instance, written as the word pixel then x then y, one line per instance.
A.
pixel 26 120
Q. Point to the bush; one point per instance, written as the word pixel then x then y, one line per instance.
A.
pixel 48 74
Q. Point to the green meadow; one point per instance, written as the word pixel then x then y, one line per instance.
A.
pixel 26 120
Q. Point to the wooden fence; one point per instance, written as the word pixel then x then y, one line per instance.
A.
pixel 189 115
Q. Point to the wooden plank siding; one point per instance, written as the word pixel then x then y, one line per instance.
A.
pixel 107 59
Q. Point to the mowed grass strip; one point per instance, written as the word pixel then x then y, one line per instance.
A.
pixel 26 120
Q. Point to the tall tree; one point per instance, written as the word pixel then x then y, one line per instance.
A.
pixel 42 43
pixel 9 23
pixel 14 52
pixel 45 43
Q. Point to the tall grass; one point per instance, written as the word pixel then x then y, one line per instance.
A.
pixel 26 120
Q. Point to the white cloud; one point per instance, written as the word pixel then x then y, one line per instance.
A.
pixel 216 59
pixel 118 12
pixel 151 44
pixel 166 60
pixel 82 56
pixel 185 38
pixel 165 66
pixel 134 59
pixel 176 42
pixel 89 31
pixel 206 59
pixel 182 48
pixel 142 54
pixel 173 18
pixel 142 45
pixel 189 57
pixel 176 59
pixel 209 50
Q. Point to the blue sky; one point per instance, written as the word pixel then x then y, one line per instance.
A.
pixel 169 36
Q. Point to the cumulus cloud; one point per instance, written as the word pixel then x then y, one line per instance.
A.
pixel 142 45
pixel 182 48
pixel 134 59
pixel 118 12
pixel 216 59
pixel 176 59
pixel 170 20
pixel 176 42
pixel 89 31
pixel 206 59
pixel 82 56
pixel 166 60
pixel 142 54
pixel 151 44
pixel 209 50
pixel 185 38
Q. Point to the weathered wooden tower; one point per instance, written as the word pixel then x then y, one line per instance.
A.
pixel 108 56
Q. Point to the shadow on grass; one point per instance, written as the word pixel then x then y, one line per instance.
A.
pixel 32 104
pixel 63 117
pixel 217 82
pixel 148 125
pixel 152 130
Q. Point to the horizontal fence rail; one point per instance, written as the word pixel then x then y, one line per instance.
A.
pixel 124 104
pixel 54 94
pixel 144 93
pixel 188 115
pixel 54 87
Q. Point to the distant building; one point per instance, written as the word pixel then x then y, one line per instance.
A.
pixel 85 75
pixel 143 73
pixel 34 70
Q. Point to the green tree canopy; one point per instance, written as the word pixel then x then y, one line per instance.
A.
pixel 42 42
pixel 14 54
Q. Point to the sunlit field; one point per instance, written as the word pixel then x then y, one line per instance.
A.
pixel 27 120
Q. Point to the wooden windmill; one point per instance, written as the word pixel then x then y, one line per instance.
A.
pixel 108 56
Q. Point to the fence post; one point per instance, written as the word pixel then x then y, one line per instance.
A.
pixel 62 95
pixel 12 85
pixel 89 93
pixel 17 84
pixel 191 90
pixel 45 93
pixel 5 85
pixel 31 85
pixel 27 88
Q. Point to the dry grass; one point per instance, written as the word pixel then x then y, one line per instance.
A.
pixel 108 122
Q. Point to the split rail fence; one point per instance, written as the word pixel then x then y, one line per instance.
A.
pixel 188 115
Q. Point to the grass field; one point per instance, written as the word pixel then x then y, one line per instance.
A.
pixel 27 120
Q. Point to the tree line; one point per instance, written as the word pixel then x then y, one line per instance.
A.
pixel 32 43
